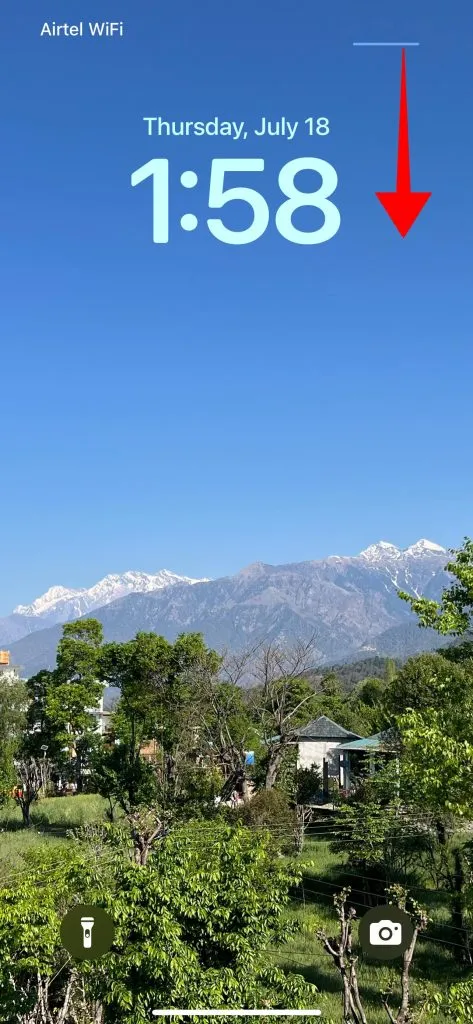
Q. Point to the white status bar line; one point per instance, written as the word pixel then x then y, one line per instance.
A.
pixel 386 44
pixel 236 1013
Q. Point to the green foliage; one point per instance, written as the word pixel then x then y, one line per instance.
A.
pixel 330 685
pixel 335 705
pixel 124 777
pixel 192 928
pixel 31 909
pixel 79 651
pixel 198 788
pixel 430 681
pixel 76 687
pixel 365 707
pixel 375 838
pixel 67 710
pixel 286 779
pixel 370 692
pixel 456 1006
pixel 164 690
pixel 39 729
pixel 13 704
pixel 378 828
pixel 431 700
pixel 228 711
pixel 351 673
pixel 308 784
pixel 437 765
pixel 460 652
pixel 59 713
pixel 360 711
pixel 390 670
pixel 201 919
pixel 454 612
pixel 271 809
pixel 228 730
pixel 295 701
pixel 161 685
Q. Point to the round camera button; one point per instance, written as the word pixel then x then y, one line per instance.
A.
pixel 385 932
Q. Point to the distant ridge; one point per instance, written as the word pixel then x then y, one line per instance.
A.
pixel 62 604
pixel 350 603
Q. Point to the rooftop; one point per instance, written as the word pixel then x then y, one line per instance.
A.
pixel 324 729
pixel 380 741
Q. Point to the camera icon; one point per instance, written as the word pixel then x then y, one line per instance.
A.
pixel 385 933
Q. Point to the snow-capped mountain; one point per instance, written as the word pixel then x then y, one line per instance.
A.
pixel 406 568
pixel 60 604
pixel 385 552
pixel 350 603
pixel 63 604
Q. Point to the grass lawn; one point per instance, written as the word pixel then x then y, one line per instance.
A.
pixel 57 812
pixel 15 847
pixel 51 819
pixel 324 874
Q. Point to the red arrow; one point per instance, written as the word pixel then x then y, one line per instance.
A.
pixel 403 206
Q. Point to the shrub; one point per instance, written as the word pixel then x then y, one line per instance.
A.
pixel 271 809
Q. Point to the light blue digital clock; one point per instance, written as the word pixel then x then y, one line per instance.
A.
pixel 219 196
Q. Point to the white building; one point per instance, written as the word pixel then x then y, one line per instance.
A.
pixel 317 744
pixel 103 713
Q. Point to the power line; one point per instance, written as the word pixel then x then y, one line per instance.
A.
pixel 355 903
pixel 281 831
pixel 294 898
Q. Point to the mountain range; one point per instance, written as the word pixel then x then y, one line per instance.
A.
pixel 349 603
pixel 63 604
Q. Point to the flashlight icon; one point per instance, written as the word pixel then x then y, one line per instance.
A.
pixel 87 932
pixel 87 924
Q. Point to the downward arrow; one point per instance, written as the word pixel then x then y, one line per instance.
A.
pixel 403 206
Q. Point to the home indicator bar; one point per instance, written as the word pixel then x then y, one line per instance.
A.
pixel 236 1013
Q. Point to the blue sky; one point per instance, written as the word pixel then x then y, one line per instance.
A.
pixel 198 405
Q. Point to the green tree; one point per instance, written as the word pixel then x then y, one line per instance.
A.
pixel 193 928
pixel 431 681
pixel 271 809
pixel 39 730
pixel 330 685
pixel 228 733
pixel 163 689
pixel 62 701
pixel 378 839
pixel 432 704
pixel 453 614
pixel 364 708
pixel 390 671
pixel 437 765
pixel 76 688
pixel 431 701
pixel 13 705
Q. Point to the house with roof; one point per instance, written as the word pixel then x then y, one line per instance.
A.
pixel 319 743
pixel 361 755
